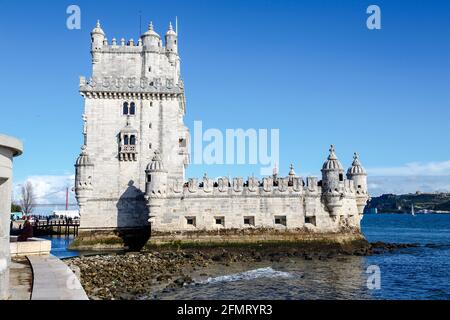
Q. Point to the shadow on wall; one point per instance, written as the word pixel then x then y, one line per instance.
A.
pixel 132 218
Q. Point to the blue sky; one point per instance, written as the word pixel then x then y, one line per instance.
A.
pixel 309 68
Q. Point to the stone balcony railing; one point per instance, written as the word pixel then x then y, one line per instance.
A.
pixel 129 148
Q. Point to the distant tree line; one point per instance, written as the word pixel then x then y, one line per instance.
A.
pixel 392 203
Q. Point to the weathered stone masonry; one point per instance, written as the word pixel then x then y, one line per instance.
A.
pixel 131 171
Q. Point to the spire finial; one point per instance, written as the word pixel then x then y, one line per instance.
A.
pixel 170 25
pixel 291 170
pixel 150 26
pixel 98 24
pixel 332 155
pixel 355 159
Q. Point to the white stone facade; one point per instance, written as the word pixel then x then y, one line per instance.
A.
pixel 131 168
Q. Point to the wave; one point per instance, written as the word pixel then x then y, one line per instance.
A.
pixel 248 275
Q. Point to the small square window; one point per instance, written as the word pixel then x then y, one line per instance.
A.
pixel 220 220
pixel 249 221
pixel 311 220
pixel 191 221
pixel 281 220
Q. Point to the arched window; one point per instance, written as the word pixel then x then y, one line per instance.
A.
pixel 125 140
pixel 132 140
pixel 132 108
pixel 125 108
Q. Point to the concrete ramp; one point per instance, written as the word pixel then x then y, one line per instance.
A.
pixel 54 280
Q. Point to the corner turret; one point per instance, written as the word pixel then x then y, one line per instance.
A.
pixel 156 186
pixel 358 175
pixel 84 169
pixel 97 40
pixel 171 40
pixel 151 40
pixel 333 183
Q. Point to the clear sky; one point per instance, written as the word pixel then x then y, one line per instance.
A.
pixel 311 69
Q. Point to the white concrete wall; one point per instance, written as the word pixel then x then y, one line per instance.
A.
pixel 9 147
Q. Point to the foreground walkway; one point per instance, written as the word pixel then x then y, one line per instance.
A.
pixel 20 279
pixel 53 280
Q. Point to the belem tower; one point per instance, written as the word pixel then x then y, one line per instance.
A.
pixel 130 174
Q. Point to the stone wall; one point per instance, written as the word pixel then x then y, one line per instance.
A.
pixel 9 147
pixel 289 209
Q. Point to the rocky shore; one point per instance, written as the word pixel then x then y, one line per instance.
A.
pixel 134 275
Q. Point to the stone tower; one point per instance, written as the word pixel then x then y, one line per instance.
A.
pixel 358 175
pixel 134 104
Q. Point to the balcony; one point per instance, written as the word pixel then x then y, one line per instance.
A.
pixel 128 153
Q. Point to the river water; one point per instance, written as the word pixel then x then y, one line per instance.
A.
pixel 421 272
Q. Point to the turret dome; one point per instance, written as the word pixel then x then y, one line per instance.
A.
pixel 356 167
pixel 332 162
pixel 291 171
pixel 170 31
pixel 151 32
pixel 83 158
pixel 156 165
pixel 97 29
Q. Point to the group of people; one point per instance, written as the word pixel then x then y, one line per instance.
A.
pixel 26 228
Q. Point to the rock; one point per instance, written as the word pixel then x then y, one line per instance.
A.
pixel 217 257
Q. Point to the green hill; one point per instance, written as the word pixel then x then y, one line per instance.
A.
pixel 391 203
